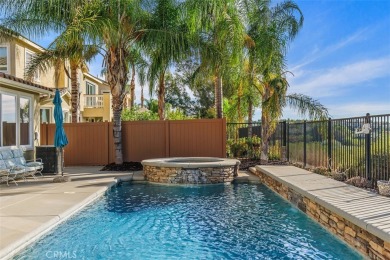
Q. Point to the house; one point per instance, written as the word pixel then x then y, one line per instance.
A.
pixel 95 99
pixel 27 104
pixel 19 111
pixel 20 99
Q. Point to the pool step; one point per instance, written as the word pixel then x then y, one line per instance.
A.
pixel 127 178
pixel 245 177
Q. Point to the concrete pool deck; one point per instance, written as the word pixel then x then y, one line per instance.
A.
pixel 31 209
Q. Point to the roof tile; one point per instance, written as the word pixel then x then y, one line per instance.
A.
pixel 13 78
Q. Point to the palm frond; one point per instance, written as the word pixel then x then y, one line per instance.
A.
pixel 42 62
pixel 306 105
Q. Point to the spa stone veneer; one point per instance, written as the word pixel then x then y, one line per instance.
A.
pixel 190 170
pixel 365 242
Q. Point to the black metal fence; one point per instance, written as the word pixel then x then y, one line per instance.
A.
pixel 334 144
pixel 244 140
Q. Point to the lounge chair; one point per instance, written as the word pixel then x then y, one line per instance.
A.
pixel 14 171
pixel 5 173
pixel 30 165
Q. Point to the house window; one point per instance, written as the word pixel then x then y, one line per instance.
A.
pixel 4 59
pixel 45 115
pixel 65 116
pixel 28 59
pixel 16 120
pixel 24 122
pixel 8 119
pixel 90 90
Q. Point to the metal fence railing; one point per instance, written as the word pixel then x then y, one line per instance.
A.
pixel 244 140
pixel 334 144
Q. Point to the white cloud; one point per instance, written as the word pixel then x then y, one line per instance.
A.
pixel 344 110
pixel 318 53
pixel 331 82
pixel 359 109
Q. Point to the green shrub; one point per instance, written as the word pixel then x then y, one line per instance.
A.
pixel 238 149
pixel 274 152
pixel 136 115
pixel 175 114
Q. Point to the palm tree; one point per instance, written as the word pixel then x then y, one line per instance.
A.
pixel 219 28
pixel 113 26
pixel 56 56
pixel 130 23
pixel 34 17
pixel 274 99
pixel 272 29
pixel 138 66
pixel 168 49
pixel 125 25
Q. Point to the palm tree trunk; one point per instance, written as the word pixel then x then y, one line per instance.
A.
pixel 161 97
pixel 117 130
pixel 265 127
pixel 132 86
pixel 75 97
pixel 218 94
pixel 117 77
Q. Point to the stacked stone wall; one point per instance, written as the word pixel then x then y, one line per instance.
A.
pixel 359 238
pixel 189 176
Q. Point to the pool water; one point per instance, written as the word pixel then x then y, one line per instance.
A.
pixel 149 221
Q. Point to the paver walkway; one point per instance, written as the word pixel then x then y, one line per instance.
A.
pixel 33 207
pixel 365 209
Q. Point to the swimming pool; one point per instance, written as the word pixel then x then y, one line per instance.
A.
pixel 149 221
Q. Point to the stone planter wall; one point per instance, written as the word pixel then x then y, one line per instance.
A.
pixel 365 242
pixel 189 176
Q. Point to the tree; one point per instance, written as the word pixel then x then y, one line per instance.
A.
pixel 113 26
pixel 177 95
pixel 168 48
pixel 138 65
pixel 130 25
pixel 201 87
pixel 33 17
pixel 219 30
pixel 272 29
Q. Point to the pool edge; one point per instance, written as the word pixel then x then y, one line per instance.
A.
pixel 20 244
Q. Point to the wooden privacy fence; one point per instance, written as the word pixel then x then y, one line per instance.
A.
pixel 92 143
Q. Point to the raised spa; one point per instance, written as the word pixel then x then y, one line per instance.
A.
pixel 190 170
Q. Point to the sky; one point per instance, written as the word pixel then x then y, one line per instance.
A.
pixel 341 57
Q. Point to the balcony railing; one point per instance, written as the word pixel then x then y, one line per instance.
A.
pixel 93 101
